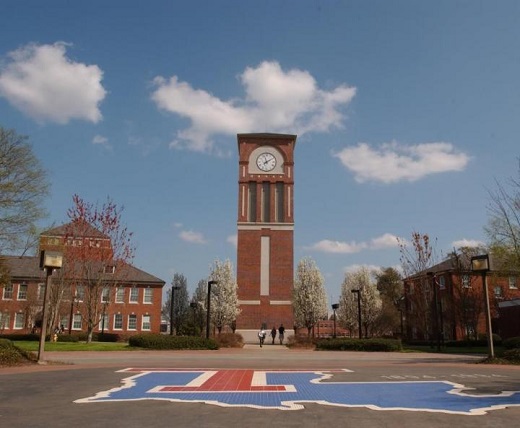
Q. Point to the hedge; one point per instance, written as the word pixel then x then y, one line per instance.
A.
pixel 162 341
pixel 370 345
pixel 512 343
pixel 10 355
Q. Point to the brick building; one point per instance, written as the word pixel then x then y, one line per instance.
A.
pixel 129 300
pixel 447 301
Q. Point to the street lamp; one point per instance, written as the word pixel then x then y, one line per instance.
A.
pixel 73 300
pixel 208 306
pixel 49 260
pixel 431 275
pixel 359 310
pixel 174 287
pixel 335 306
pixel 481 264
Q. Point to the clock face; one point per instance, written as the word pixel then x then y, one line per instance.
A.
pixel 266 162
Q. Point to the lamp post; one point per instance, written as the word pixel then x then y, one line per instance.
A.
pixel 335 306
pixel 174 287
pixel 358 292
pixel 73 300
pixel 481 264
pixel 431 275
pixel 208 306
pixel 49 260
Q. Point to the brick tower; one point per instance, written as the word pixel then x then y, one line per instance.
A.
pixel 265 257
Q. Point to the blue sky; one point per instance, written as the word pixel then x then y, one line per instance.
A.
pixel 406 112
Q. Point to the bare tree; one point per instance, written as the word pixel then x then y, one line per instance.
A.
pixel 23 187
pixel 224 297
pixel 309 298
pixel 97 251
pixel 416 262
pixel 503 228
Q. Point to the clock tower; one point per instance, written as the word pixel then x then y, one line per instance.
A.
pixel 265 256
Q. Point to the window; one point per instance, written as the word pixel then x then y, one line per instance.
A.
pixel 498 291
pixel 77 322
pixel 466 281
pixel 105 295
pixel 41 291
pixel 148 293
pixel 8 292
pixel 279 202
pixel 22 292
pixel 110 269
pixel 132 322
pixel 103 322
pixel 134 295
pixel 80 293
pixel 19 321
pixel 266 199
pixel 512 282
pixel 5 320
pixel 442 283
pixel 252 202
pixel 147 324
pixel 118 322
pixel 120 295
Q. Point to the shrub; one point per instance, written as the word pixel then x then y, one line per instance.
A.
pixel 512 343
pixel 68 338
pixel 11 355
pixel 512 355
pixel 22 337
pixel 370 345
pixel 161 341
pixel 300 342
pixel 230 340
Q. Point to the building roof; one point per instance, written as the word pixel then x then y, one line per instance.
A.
pixel 28 267
pixel 85 230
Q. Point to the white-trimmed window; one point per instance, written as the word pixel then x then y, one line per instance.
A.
pixel 105 295
pixel 442 282
pixel 147 323
pixel 8 292
pixel 41 291
pixel 134 295
pixel 132 322
pixel 77 322
pixel 19 320
pixel 513 282
pixel 103 322
pixel 118 322
pixel 120 295
pixel 22 291
pixel 80 293
pixel 466 283
pixel 148 294
pixel 498 291
pixel 5 320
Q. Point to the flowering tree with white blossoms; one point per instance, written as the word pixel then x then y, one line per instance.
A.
pixel 224 297
pixel 309 298
pixel 371 303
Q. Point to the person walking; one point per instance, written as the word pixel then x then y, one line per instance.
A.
pixel 261 336
pixel 281 331
pixel 273 333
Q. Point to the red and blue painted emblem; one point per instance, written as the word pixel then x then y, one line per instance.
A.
pixel 290 390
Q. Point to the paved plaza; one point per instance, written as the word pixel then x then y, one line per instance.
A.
pixel 257 387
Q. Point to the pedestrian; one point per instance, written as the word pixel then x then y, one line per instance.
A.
pixel 281 331
pixel 261 336
pixel 273 333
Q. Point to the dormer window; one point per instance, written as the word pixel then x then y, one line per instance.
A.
pixel 110 269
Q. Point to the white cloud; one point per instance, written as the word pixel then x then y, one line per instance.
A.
pixel 43 83
pixel 469 243
pixel 102 141
pixel 371 268
pixel 381 242
pixel 275 100
pixel 392 162
pixel 192 237
pixel 233 240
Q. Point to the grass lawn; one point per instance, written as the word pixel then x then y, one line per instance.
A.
pixel 73 346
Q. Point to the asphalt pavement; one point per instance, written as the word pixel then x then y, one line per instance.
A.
pixel 258 387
